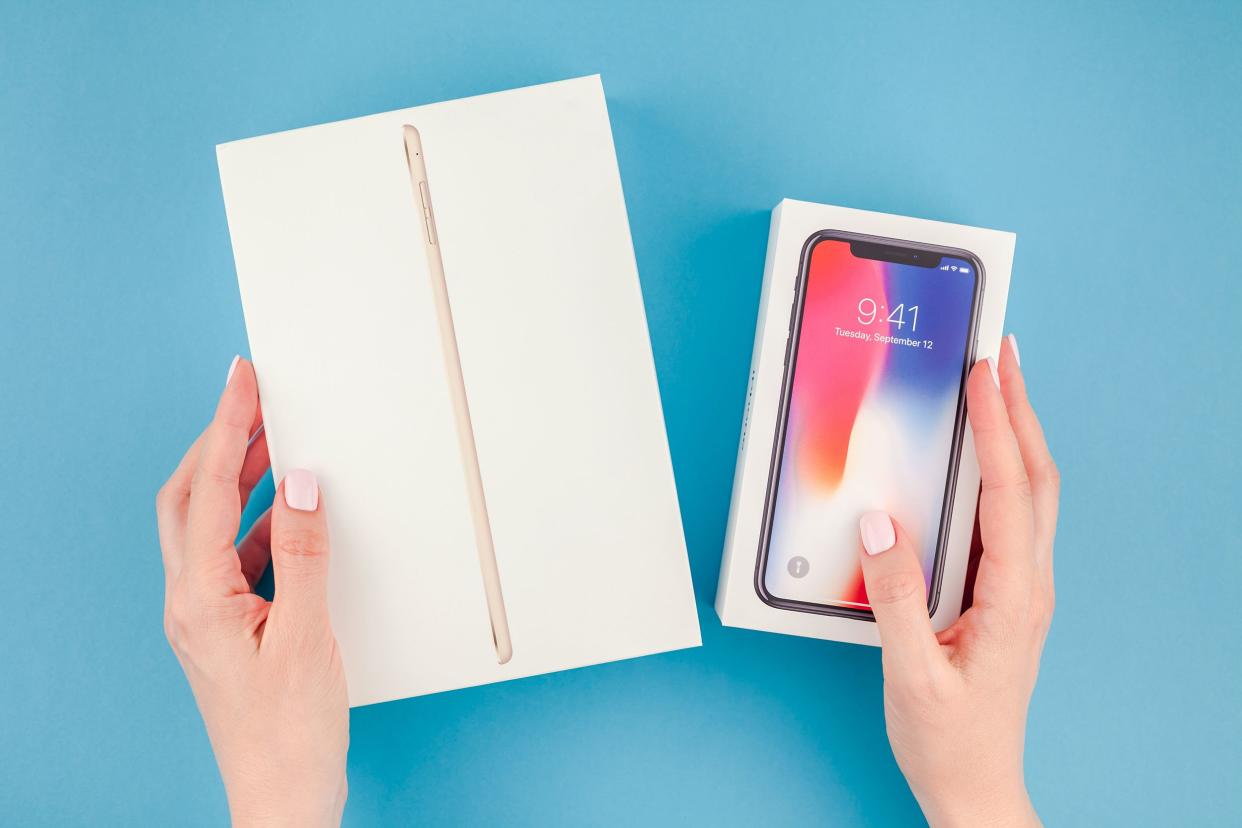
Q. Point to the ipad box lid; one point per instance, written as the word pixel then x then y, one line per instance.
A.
pixel 557 367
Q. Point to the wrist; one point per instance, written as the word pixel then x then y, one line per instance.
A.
pixel 1008 807
pixel 280 804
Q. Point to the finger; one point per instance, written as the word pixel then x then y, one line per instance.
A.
pixel 255 550
pixel 299 555
pixel 1005 506
pixel 171 503
pixel 897 592
pixel 1040 468
pixel 215 500
pixel 255 465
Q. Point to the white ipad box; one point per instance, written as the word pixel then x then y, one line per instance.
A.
pixel 793 222
pixel 331 254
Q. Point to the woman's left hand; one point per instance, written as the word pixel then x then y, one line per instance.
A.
pixel 267 676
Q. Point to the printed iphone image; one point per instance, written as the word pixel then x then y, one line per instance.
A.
pixel 881 338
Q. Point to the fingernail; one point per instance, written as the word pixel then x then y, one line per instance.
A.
pixel 992 368
pixel 301 491
pixel 877 532
pixel 232 368
pixel 1013 346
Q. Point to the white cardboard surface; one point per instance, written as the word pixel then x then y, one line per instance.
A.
pixel 558 371
pixel 793 222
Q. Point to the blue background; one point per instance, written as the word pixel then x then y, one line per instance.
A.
pixel 1105 135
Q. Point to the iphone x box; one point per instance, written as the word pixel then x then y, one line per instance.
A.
pixel 868 325
pixel 446 322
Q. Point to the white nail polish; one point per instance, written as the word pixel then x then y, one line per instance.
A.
pixel 877 532
pixel 1013 346
pixel 992 370
pixel 232 368
pixel 301 490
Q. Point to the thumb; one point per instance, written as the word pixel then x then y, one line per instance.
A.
pixel 300 551
pixel 897 593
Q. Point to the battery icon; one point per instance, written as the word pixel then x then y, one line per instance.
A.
pixel 964 269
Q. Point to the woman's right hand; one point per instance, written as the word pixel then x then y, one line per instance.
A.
pixel 955 703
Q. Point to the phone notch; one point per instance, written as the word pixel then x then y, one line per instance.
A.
pixel 896 254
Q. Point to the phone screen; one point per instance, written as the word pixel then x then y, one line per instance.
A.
pixel 872 415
